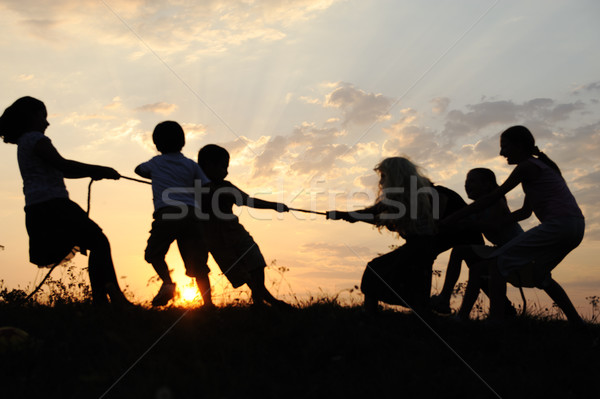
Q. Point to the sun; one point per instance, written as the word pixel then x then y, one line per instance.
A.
pixel 189 294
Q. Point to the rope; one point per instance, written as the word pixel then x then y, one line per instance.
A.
pixel 89 205
pixel 137 180
pixel 307 211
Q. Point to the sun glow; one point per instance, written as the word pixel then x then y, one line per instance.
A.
pixel 189 294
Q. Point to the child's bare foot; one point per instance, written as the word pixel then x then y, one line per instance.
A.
pixel 165 294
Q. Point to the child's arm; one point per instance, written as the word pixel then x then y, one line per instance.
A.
pixel 524 170
pixel 72 169
pixel 259 203
pixel 140 170
pixel 262 204
pixel 368 215
pixel 523 213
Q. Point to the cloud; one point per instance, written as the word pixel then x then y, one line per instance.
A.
pixel 24 77
pixel 158 108
pixel 440 105
pixel 210 26
pixel 115 104
pixel 337 251
pixel 306 150
pixel 539 115
pixel 358 106
pixel 193 131
pixel 460 123
pixel 587 87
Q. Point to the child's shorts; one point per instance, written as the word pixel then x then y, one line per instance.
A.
pixel 528 259
pixel 188 234
pixel 234 250
pixel 55 227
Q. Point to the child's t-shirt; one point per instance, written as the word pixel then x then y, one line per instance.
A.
pixel 548 194
pixel 41 181
pixel 499 235
pixel 219 198
pixel 174 179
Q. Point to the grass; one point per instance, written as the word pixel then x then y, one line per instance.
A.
pixel 321 349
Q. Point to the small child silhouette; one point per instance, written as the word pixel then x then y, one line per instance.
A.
pixel 173 180
pixel 232 247
pixel 55 224
pixel 497 226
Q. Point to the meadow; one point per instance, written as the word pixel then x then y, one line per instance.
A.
pixel 321 349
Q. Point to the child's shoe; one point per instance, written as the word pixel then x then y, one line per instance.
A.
pixel 440 305
pixel 165 294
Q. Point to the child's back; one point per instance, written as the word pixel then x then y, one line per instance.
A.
pixel 174 179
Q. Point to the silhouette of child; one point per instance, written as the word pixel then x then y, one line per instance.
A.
pixel 496 225
pixel 528 259
pixel 55 224
pixel 232 247
pixel 408 203
pixel 173 180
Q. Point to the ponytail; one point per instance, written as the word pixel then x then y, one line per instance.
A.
pixel 545 159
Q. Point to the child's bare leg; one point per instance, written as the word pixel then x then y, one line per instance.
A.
pixel 205 290
pixel 167 289
pixel 452 273
pixel 472 291
pixel 103 278
pixel 194 253
pixel 161 268
pixel 260 292
pixel 560 297
pixel 497 293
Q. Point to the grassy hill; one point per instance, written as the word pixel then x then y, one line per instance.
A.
pixel 320 350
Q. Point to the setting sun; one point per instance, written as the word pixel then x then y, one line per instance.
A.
pixel 188 294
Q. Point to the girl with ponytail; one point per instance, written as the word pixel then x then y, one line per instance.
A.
pixel 528 259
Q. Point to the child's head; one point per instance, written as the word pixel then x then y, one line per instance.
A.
pixel 401 181
pixel 25 114
pixel 397 171
pixel 479 182
pixel 168 137
pixel 214 161
pixel 517 144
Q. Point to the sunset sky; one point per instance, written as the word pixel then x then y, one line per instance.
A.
pixel 308 96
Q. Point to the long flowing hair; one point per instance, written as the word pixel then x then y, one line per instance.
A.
pixel 522 137
pixel 406 195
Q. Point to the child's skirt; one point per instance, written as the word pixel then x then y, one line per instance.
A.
pixel 55 228
pixel 528 259
pixel 233 249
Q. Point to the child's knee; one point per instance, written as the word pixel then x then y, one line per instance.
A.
pixel 96 241
pixel 153 257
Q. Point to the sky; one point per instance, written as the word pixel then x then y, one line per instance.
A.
pixel 307 96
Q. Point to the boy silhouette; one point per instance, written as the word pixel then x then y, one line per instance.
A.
pixel 232 247
pixel 173 178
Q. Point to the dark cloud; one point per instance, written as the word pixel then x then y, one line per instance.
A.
pixel 479 116
pixel 587 87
